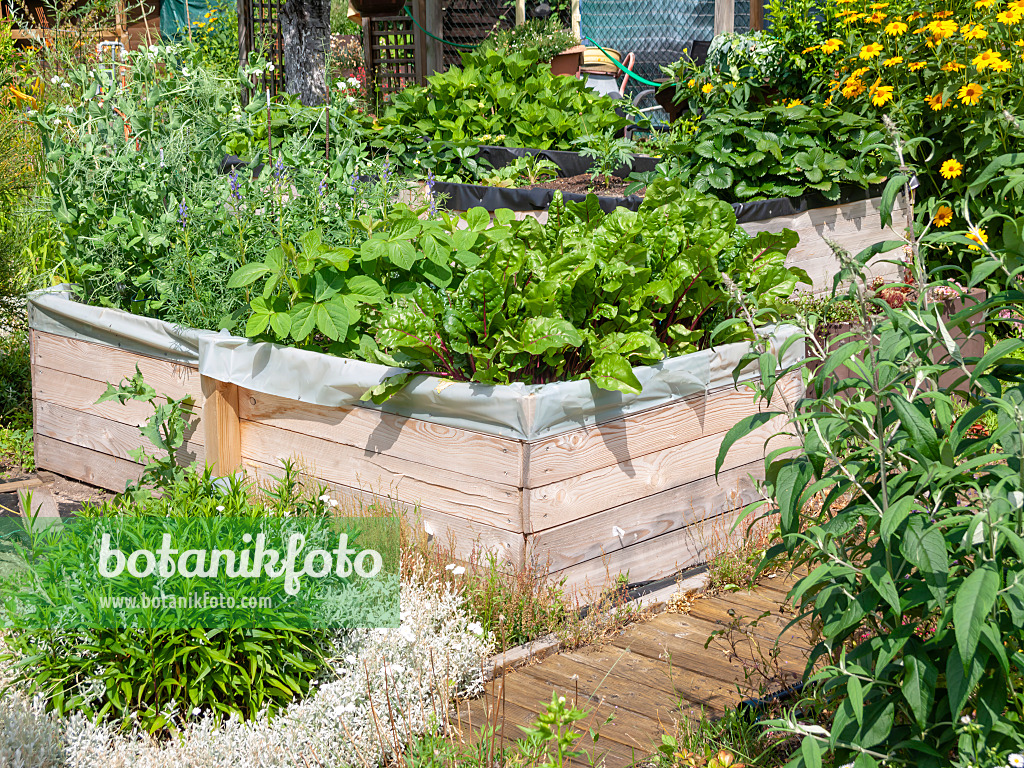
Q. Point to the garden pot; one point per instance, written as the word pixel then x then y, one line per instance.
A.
pixel 595 60
pixel 567 62
pixel 378 7
pixel 586 482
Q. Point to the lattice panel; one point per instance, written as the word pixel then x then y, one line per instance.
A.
pixel 392 59
pixel 259 29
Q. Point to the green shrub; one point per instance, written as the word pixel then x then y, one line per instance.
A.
pixel 916 555
pixel 155 678
pixel 545 36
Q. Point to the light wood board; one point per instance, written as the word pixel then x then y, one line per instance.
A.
pixel 377 432
pixel 100 435
pixel 572 453
pixel 615 529
pixel 80 394
pixel 84 464
pixel 466 538
pixel 109 364
pixel 638 478
pixel 442 489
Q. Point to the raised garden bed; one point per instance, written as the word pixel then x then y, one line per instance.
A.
pixel 589 482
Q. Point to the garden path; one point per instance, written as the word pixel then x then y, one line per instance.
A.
pixel 653 673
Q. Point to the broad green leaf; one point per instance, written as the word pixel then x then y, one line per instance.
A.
pixel 540 334
pixel 332 318
pixel 918 688
pixel 614 372
pixel 246 275
pixel 971 607
pixel 742 428
pixel 918 425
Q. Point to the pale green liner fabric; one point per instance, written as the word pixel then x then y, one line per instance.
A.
pixel 517 411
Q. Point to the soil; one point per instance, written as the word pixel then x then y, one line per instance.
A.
pixel 583 184
pixel 69 495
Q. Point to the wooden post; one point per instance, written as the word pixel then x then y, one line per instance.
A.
pixel 520 12
pixel 433 22
pixel 245 38
pixel 756 14
pixel 421 42
pixel 723 16
pixel 575 24
pixel 221 431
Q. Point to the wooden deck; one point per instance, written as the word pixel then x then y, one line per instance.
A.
pixel 640 683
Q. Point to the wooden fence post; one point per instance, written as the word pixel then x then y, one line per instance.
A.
pixel 220 426
pixel 520 12
pixel 756 15
pixel 575 22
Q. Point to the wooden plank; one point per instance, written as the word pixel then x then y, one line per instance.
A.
pixel 109 364
pixel 222 437
pixel 642 476
pixel 627 525
pixel 532 686
pixel 80 394
pixel 441 489
pixel 84 464
pixel 101 435
pixel 572 453
pixel 467 538
pixel 19 485
pixel 689 656
pixel 651 559
pixel 377 432
pixel 724 12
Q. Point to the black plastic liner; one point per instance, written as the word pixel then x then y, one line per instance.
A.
pixel 569 163
pixel 462 197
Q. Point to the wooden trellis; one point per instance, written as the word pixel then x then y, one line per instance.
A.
pixel 259 29
pixel 394 50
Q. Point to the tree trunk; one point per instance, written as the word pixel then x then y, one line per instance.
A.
pixel 306 28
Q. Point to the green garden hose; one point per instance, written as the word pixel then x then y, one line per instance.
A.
pixel 435 37
pixel 628 71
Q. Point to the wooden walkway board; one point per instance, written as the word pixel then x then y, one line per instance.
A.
pixel 640 683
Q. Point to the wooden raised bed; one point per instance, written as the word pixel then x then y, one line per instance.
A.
pixel 635 494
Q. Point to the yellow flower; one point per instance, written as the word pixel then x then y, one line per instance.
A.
pixel 870 51
pixel 833 84
pixel 943 216
pixel 853 88
pixel 708 88
pixel 875 18
pixel 978 236
pixel 692 83
pixel 942 14
pixel 1010 16
pixel 970 93
pixel 942 29
pixel 918 15
pixel 935 102
pixel 984 3
pixel 953 66
pixel 878 6
pixel 852 18
pixel 808 50
pixel 795 103
pixel 893 61
pixel 882 94
pixel 859 72
pixel 951 169
pixel 986 59
pixel 895 28
pixel 831 45
pixel 828 102
pixel 1000 66
pixel 976 32
pixel 1018 42
pixel 915 65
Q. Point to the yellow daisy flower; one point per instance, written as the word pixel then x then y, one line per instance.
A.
pixel 708 88
pixel 1010 16
pixel 935 102
pixel 978 236
pixel 876 18
pixel 942 14
pixel 973 32
pixel 943 29
pixel 795 103
pixel 895 28
pixel 953 66
pixel 951 168
pixel 914 66
pixel 1000 66
pixel 943 216
pixel 831 45
pixel 812 48
pixel 870 51
pixel 986 59
pixel 893 61
pixel 970 94
pixel 882 94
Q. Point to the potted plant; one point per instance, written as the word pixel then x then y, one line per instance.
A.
pixel 552 43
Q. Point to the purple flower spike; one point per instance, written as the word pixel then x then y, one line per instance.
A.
pixel 183 214
pixel 235 186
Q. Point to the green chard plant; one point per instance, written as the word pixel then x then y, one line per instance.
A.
pixel 777 151
pixel 916 553
pixel 588 295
